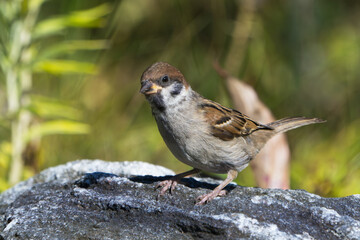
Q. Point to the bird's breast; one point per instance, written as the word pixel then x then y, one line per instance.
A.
pixel 188 137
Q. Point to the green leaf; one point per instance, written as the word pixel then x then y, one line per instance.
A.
pixel 50 26
pixel 71 46
pixel 86 18
pixel 51 108
pixel 56 127
pixel 64 67
pixel 35 4
pixel 91 17
pixel 9 9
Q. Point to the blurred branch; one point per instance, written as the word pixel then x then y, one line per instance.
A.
pixel 242 30
pixel 19 80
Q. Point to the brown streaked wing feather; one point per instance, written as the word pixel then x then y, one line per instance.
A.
pixel 226 123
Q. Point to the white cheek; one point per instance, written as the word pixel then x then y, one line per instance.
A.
pixel 172 101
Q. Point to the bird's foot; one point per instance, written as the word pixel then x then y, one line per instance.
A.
pixel 203 199
pixel 172 182
pixel 166 185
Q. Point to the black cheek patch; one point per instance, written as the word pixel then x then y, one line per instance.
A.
pixel 176 89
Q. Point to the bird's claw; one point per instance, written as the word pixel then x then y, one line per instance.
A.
pixel 166 185
pixel 203 199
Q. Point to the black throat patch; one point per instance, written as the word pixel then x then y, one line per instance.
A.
pixel 157 102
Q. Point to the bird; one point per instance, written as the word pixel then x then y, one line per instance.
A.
pixel 202 133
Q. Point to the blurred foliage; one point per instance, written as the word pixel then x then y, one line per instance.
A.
pixel 302 57
pixel 28 48
pixel 338 171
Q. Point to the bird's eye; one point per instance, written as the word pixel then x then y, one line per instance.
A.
pixel 165 79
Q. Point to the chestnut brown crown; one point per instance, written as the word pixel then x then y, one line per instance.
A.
pixel 158 70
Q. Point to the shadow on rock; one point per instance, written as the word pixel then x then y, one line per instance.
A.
pixel 93 178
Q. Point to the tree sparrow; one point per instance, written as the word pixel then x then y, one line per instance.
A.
pixel 202 133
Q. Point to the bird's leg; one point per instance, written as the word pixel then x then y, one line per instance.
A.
pixel 218 191
pixel 172 182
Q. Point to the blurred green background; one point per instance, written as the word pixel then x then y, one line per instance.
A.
pixel 70 71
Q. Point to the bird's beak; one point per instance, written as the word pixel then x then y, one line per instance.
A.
pixel 149 88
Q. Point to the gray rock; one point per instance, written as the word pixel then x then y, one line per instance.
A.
pixel 106 200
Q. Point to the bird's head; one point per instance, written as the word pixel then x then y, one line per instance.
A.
pixel 163 85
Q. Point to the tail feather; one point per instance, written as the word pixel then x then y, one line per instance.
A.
pixel 287 124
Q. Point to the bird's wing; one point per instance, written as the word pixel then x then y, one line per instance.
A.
pixel 226 123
